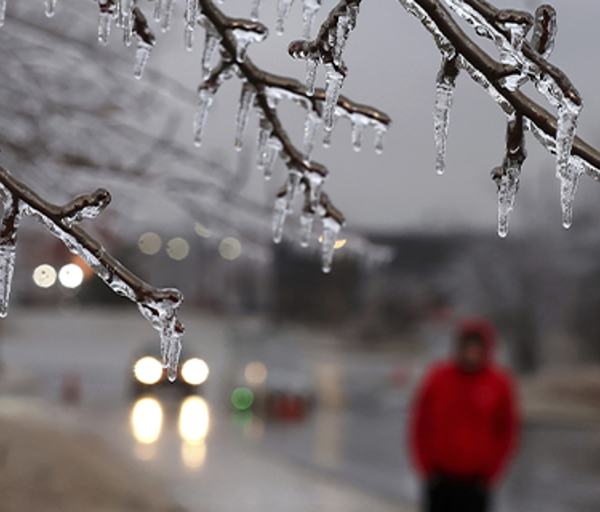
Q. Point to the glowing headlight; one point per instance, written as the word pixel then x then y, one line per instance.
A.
pixel 194 371
pixel 148 370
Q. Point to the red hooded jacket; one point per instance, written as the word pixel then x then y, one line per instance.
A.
pixel 463 424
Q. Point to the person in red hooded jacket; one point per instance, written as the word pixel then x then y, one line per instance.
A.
pixel 464 424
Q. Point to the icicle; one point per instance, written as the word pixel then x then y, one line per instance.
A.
pixel 205 100
pixel 331 229
pixel 191 17
pixel 292 186
pixel 211 41
pixel 127 30
pixel 283 10
pixel 309 12
pixel 255 9
pixel 508 186
pixel 50 8
pixel 142 53
pixel 327 138
pixel 311 76
pixel 345 24
pixel 307 220
pixel 380 131
pixel 244 37
pixel 446 81
pixel 158 10
pixel 568 114
pixel 279 214
pixel 568 188
pixel 167 14
pixel 2 11
pixel 358 128
pixel 8 245
pixel 104 27
pixel 311 125
pixel 246 100
pixel 334 82
pixel 315 186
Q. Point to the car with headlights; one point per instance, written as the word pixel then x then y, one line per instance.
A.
pixel 149 375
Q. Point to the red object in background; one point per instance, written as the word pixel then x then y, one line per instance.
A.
pixel 465 425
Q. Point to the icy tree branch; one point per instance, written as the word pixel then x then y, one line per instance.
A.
pixel 158 305
pixel 520 61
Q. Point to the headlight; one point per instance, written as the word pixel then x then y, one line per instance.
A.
pixel 194 371
pixel 148 370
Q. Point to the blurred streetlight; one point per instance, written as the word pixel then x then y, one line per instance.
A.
pixel 71 275
pixel 230 248
pixel 44 276
pixel 150 243
pixel 148 370
pixel 255 373
pixel 202 231
pixel 146 420
pixel 194 371
pixel 178 249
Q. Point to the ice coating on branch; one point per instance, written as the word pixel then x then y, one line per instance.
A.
pixel 245 35
pixel 166 14
pixel 191 18
pixel 279 214
pixel 283 10
pixel 50 8
pixel 311 126
pixel 246 100
pixel 544 32
pixel 310 9
pixel 212 39
pixel 333 86
pixel 255 9
pixel 206 96
pixel 307 220
pixel 446 82
pixel 331 229
pixel 2 11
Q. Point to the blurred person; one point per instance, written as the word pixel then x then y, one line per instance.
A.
pixel 464 424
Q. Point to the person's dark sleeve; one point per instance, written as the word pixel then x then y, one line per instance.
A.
pixel 419 428
pixel 507 428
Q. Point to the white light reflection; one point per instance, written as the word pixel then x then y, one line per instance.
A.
pixel 146 423
pixel 194 421
pixel 70 276
pixel 44 276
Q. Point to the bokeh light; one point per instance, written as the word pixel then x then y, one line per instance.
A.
pixel 193 455
pixel 242 398
pixel 194 371
pixel 230 248
pixel 44 276
pixel 148 370
pixel 193 419
pixel 146 420
pixel 178 249
pixel 150 243
pixel 71 276
pixel 202 231
pixel 255 373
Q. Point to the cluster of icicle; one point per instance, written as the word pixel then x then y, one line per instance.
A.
pixel 128 17
pixel 525 61
pixel 159 306
pixel 309 177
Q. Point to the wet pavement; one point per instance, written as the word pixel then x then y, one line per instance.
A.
pixel 342 457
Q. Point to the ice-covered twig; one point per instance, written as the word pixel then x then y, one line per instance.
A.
pixel 158 305
pixel 520 61
pixel 264 90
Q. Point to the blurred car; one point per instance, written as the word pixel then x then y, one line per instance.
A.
pixel 150 376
